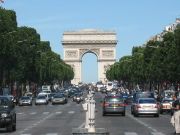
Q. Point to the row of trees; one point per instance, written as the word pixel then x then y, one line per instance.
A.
pixel 156 63
pixel 25 58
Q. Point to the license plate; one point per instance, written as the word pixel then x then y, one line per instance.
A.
pixel 115 105
pixel 147 107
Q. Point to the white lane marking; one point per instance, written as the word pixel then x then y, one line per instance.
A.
pixel 157 133
pixel 130 133
pixel 45 112
pixel 142 123
pixel 33 113
pixel 81 126
pixel 35 124
pixel 71 112
pixel 52 134
pixel 58 112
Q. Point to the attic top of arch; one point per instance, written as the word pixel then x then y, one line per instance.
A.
pixel 89 36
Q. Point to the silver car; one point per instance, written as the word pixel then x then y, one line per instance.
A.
pixel 59 99
pixel 113 104
pixel 25 100
pixel 146 106
pixel 41 99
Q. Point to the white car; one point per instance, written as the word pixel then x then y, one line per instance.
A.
pixel 146 106
pixel 41 99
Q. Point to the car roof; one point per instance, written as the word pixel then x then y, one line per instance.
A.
pixel 146 98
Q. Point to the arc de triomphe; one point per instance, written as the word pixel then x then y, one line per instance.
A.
pixel 78 43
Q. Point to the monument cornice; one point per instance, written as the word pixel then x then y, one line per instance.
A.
pixel 65 60
pixel 89 42
pixel 89 33
pixel 103 60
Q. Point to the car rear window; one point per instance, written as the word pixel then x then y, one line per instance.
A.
pixel 143 101
pixel 113 99
pixel 25 98
pixel 167 101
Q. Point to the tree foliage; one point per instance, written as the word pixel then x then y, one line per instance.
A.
pixel 154 62
pixel 25 58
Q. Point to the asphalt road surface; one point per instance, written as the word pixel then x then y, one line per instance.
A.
pixel 60 119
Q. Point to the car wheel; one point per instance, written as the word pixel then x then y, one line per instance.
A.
pixel 124 114
pixel 14 127
pixel 132 112
pixel 161 111
pixel 156 115
pixel 136 115
pixel 104 114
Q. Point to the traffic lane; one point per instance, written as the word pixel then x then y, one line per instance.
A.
pixel 61 124
pixel 31 115
pixel 55 122
pixel 161 123
pixel 118 124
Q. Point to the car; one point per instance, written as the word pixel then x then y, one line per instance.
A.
pixel 59 99
pixel 44 94
pixel 103 89
pixel 137 95
pixel 77 96
pixel 51 96
pixel 25 100
pixel 113 104
pixel 7 114
pixel 41 99
pixel 146 106
pixel 29 94
pixel 166 105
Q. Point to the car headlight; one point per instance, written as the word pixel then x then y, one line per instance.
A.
pixel 3 115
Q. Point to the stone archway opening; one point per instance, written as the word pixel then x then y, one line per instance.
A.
pixel 89 67
pixel 78 43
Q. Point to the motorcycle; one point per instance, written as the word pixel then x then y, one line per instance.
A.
pixel 78 100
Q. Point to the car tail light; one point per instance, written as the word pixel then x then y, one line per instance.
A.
pixel 106 104
pixel 138 106
pixel 122 105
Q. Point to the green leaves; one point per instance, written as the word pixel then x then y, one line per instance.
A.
pixel 24 58
pixel 156 61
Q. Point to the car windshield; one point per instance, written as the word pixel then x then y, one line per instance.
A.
pixel 144 101
pixel 167 101
pixel 41 97
pixel 145 95
pixel 58 96
pixel 4 101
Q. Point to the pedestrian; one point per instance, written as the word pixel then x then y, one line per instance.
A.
pixel 175 120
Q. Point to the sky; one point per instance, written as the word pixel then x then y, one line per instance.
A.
pixel 134 22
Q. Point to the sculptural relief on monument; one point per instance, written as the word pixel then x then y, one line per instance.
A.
pixel 106 67
pixel 108 53
pixel 71 54
pixel 83 51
